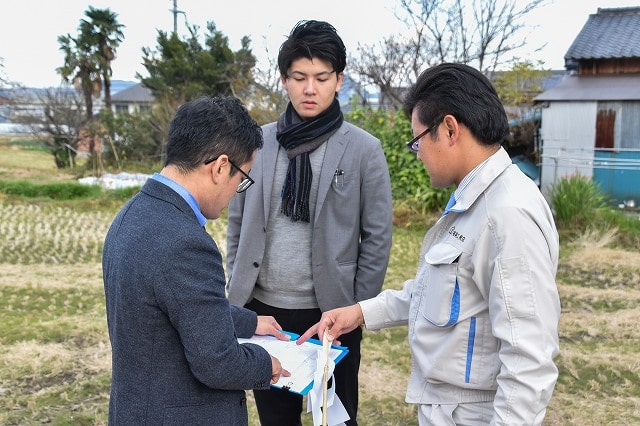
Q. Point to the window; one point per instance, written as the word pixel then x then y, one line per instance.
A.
pixel 122 109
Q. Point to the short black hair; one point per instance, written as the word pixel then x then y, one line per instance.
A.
pixel 313 39
pixel 465 93
pixel 207 127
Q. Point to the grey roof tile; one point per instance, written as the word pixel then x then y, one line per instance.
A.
pixel 610 33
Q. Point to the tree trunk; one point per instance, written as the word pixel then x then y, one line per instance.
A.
pixel 107 89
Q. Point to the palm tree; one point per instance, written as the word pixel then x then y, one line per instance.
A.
pixel 87 63
pixel 104 33
pixel 80 69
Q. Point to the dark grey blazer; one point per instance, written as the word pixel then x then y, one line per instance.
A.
pixel 176 359
pixel 352 226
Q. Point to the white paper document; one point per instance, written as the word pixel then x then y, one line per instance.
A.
pixel 299 360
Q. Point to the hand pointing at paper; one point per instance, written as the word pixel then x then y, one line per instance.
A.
pixel 338 321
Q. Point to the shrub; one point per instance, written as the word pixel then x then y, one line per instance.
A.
pixel 122 194
pixel 55 191
pixel 410 181
pixel 575 201
pixel 31 145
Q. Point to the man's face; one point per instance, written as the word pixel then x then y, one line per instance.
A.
pixel 312 86
pixel 433 152
pixel 228 186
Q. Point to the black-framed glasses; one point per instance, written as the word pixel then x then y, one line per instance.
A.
pixel 414 143
pixel 245 183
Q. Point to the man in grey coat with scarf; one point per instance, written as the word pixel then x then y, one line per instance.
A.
pixel 316 232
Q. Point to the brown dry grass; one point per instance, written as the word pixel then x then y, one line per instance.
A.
pixel 52 380
pixel 600 335
pixel 55 354
pixel 18 163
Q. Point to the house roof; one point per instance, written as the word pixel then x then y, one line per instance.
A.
pixel 624 87
pixel 133 94
pixel 609 33
pixel 119 85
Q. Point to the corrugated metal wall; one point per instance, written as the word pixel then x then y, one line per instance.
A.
pixel 594 139
pixel 617 170
pixel 568 138
pixel 629 126
pixel 618 175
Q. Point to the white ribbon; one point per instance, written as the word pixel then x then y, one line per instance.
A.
pixel 336 413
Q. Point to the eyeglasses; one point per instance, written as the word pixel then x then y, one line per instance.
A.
pixel 245 183
pixel 414 143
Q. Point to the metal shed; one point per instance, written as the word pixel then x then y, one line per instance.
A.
pixel 591 119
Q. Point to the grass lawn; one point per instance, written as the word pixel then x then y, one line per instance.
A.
pixel 55 356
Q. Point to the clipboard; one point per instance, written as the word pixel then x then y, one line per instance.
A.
pixel 299 360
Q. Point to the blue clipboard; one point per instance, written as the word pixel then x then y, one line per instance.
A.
pixel 302 356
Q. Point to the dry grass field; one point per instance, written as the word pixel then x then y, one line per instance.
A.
pixel 55 354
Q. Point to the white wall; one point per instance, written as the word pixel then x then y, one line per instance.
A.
pixel 568 138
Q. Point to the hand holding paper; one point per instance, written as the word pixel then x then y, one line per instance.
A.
pixel 277 371
pixel 268 326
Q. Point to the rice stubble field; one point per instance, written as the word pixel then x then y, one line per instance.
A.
pixel 55 356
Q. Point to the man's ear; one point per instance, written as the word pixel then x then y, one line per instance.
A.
pixel 452 128
pixel 218 167
pixel 222 161
pixel 340 77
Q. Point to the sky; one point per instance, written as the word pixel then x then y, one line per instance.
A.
pixel 29 28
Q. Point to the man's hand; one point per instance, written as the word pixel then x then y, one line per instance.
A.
pixel 337 321
pixel 277 370
pixel 268 325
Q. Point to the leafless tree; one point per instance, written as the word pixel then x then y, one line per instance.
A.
pixel 481 33
pixel 4 81
pixel 59 120
pixel 267 98
pixel 6 88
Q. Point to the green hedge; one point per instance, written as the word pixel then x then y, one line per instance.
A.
pixel 410 181
pixel 55 190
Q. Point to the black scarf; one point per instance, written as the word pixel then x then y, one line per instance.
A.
pixel 300 138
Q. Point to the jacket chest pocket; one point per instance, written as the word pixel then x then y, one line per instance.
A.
pixel 440 301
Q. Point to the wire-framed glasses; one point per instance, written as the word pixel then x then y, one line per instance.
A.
pixel 414 143
pixel 246 181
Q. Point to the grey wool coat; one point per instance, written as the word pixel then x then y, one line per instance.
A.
pixel 176 359
pixel 352 226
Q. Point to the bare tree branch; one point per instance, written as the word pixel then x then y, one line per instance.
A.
pixel 481 33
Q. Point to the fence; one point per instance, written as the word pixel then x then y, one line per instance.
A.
pixel 616 171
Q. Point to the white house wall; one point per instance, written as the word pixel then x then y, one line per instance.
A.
pixel 568 135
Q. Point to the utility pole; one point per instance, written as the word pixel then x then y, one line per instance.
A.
pixel 175 12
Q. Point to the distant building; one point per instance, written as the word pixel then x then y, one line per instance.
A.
pixel 19 102
pixel 591 118
pixel 353 92
pixel 133 99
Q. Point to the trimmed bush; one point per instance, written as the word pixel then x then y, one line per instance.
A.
pixel 55 190
pixel 410 181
